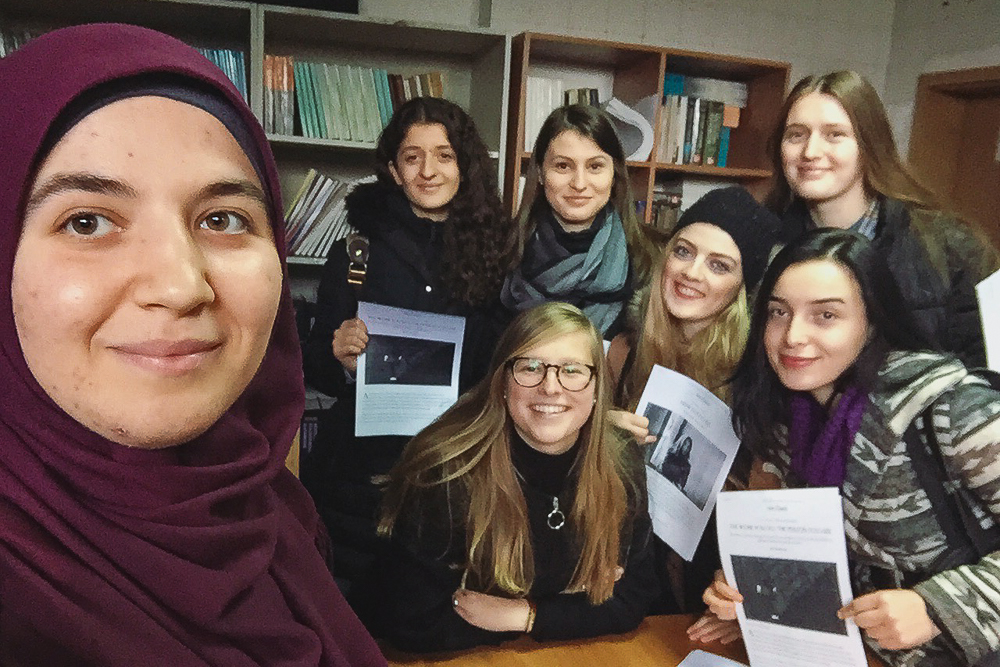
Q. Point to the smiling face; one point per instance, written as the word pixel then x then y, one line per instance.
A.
pixel 816 326
pixel 146 280
pixel 547 416
pixel 820 154
pixel 426 167
pixel 577 176
pixel 701 276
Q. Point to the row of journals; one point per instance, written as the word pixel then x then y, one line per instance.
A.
pixel 12 40
pixel 697 118
pixel 231 62
pixel 233 65
pixel 345 102
pixel 317 216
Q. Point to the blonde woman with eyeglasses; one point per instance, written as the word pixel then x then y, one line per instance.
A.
pixel 519 510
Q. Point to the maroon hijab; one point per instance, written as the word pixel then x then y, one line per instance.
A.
pixel 199 554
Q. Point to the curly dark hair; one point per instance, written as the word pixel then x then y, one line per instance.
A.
pixel 478 235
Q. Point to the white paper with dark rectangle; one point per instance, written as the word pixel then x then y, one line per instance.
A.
pixel 786 553
pixel 988 292
pixel 687 466
pixel 408 374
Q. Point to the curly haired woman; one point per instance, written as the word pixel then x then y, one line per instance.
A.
pixel 437 242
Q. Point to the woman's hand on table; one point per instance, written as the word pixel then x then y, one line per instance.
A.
pixel 719 621
pixel 710 628
pixel 635 424
pixel 896 619
pixel 491 612
pixel 349 341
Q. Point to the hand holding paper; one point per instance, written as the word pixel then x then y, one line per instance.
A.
pixel 896 619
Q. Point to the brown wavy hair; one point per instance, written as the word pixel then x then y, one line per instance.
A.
pixel 594 124
pixel 468 449
pixel 477 233
pixel 883 170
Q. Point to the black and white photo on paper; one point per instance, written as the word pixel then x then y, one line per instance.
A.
pixel 412 361
pixel 797 593
pixel 685 456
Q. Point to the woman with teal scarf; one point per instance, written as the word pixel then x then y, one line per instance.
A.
pixel 578 236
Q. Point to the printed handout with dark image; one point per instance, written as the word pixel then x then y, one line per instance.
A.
pixel 796 593
pixel 691 462
pixel 411 361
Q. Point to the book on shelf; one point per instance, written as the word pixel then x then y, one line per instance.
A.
pixel 694 113
pixel 278 91
pixel 316 216
pixel 543 95
pixel 589 96
pixel 330 101
pixel 11 39
pixel 233 65
pixel 691 131
pixel 713 128
pixel 723 147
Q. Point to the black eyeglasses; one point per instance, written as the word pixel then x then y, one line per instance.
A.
pixel 530 372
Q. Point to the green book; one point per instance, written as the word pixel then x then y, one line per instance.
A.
pixel 713 128
pixel 303 92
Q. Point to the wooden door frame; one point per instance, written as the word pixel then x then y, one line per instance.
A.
pixel 938 119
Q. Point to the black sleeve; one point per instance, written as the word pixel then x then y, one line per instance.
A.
pixel 420 617
pixel 969 260
pixel 335 303
pixel 572 616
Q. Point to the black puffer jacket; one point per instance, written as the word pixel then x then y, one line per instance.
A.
pixel 937 262
pixel 404 252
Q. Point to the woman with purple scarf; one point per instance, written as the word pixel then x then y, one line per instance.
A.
pixel 151 371
pixel 835 390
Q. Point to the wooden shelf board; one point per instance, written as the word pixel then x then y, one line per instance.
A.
pixel 723 172
pixel 583 51
pixel 287 140
pixel 306 261
pixel 301 26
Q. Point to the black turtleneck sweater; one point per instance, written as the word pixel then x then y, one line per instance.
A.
pixel 427 561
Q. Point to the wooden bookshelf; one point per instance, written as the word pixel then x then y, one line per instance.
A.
pixel 631 72
pixel 474 64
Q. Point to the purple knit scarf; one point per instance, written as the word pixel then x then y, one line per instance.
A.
pixel 819 442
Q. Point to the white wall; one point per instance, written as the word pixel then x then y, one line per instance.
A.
pixel 815 36
pixel 936 35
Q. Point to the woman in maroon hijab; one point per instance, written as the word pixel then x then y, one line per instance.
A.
pixel 151 372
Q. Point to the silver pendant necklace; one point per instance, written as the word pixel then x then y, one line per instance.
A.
pixel 555 519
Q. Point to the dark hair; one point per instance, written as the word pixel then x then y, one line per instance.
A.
pixel 594 124
pixel 883 171
pixel 477 233
pixel 759 398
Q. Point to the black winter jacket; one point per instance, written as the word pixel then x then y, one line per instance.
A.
pixel 937 263
pixel 404 252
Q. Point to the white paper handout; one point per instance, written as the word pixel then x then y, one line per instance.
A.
pixel 687 466
pixel 988 292
pixel 699 658
pixel 786 553
pixel 408 374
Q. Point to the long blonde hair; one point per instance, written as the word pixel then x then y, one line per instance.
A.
pixel 709 358
pixel 468 449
